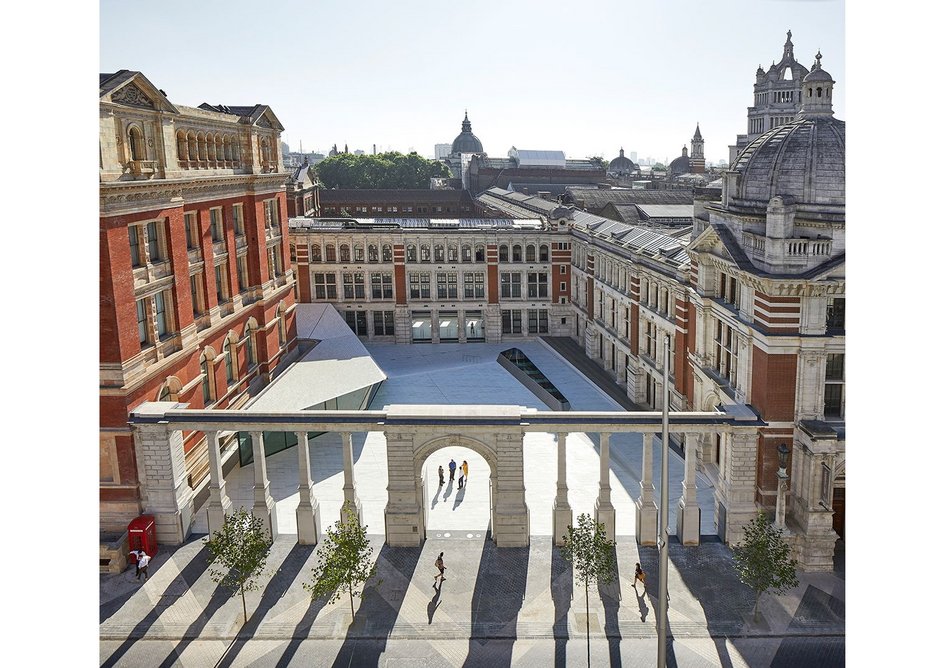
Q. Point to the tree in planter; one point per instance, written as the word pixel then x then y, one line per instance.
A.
pixel 239 553
pixel 592 557
pixel 344 560
pixel 763 559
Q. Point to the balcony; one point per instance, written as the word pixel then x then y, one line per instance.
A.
pixel 142 169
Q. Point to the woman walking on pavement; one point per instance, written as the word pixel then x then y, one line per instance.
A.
pixel 442 567
pixel 639 574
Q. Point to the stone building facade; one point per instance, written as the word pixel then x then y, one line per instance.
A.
pixel 196 297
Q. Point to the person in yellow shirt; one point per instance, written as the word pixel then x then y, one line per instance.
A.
pixel 465 470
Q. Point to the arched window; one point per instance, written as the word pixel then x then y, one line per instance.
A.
pixel 411 253
pixel 137 148
pixel 372 253
pixel 226 143
pixel 438 253
pixel 235 149
pixel 503 253
pixel 164 394
pixel 516 253
pixel 386 254
pixel 819 92
pixel 228 352
pixel 219 148
pixel 545 253
pixel 201 140
pixel 530 253
pixel 344 255
pixel 315 253
pixel 330 253
pixel 249 331
pixel 207 366
pixel 210 145
pixel 424 253
pixel 359 254
pixel 282 331
pixel 452 254
pixel 182 148
pixel 466 253
pixel 480 253
pixel 810 93
pixel 193 153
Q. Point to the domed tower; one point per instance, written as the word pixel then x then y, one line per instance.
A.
pixel 465 141
pixel 680 165
pixel 697 162
pixel 621 166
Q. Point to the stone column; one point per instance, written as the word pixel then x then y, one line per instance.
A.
pixel 737 492
pixel 511 525
pixel 264 506
pixel 688 512
pixel 219 505
pixel 604 513
pixel 308 524
pixel 348 489
pixel 403 516
pixel 563 515
pixel 646 509
pixel 161 467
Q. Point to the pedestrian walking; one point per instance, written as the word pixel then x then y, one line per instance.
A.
pixel 639 574
pixel 137 554
pixel 461 478
pixel 441 475
pixel 465 469
pixel 441 566
pixel 143 563
pixel 452 470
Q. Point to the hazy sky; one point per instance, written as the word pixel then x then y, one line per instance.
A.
pixel 585 77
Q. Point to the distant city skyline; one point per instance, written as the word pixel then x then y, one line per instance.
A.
pixel 646 75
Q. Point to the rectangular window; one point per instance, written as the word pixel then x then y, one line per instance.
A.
pixel 215 218
pixel 474 285
pixel 511 321
pixel 192 231
pixel 134 233
pixel 384 323
pixel 834 386
pixel 353 285
pixel 325 286
pixel 537 321
pixel 727 346
pixel 825 486
pixel 238 215
pixel 195 286
pixel 446 285
pixel 357 322
pixel 836 315
pixel 381 286
pixel 142 329
pixel 242 273
pixel 511 284
pixel 563 269
pixel 221 283
pixel 159 301
pixel 154 244
pixel 728 291
pixel 420 285
pixel 537 285
pixel 271 214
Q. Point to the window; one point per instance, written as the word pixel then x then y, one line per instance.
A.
pixel 474 285
pixel 162 321
pixel 411 253
pixel 137 149
pixel 372 253
pixel 243 273
pixel 503 253
pixel 325 286
pixel 192 231
pixel 537 321
pixel 315 253
pixel 381 286
pixel 282 329
pixel 834 386
pixel 344 254
pixel 424 253
pixel 438 253
pixel 383 323
pixel 330 253
pixel 229 362
pixel 238 215
pixel 359 254
pixel 563 286
pixel 195 286
pixel 452 254
pixel 563 269
pixel 446 285
pixel 728 291
pixel 250 351
pixel 133 232
pixel 511 322
pixel 206 381
pixel 727 346
pixel 215 218
pixel 836 314
pixel 466 253
pixel 353 285
pixel 650 343
pixel 516 253
pixel 221 283
pixel 825 498
pixel 511 284
pixel 271 214
pixel 274 266
pixel 420 285
pixel 480 253
pixel 537 284
pixel 143 329
pixel 386 255
pixel 357 322
pixel 154 241
pixel 544 255
pixel 530 253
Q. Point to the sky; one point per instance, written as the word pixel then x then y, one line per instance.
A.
pixel 586 78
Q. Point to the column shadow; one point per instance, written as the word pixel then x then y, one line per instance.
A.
pixel 187 577
pixel 366 638
pixel 274 590
pixel 611 594
pixel 496 602
pixel 561 591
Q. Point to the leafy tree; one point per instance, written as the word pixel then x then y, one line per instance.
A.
pixel 391 170
pixel 592 556
pixel 239 553
pixel 599 161
pixel 763 559
pixel 344 560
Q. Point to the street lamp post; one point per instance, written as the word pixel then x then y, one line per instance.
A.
pixel 783 453
pixel 663 517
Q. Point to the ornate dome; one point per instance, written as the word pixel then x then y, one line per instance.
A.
pixel 466 142
pixel 621 165
pixel 680 165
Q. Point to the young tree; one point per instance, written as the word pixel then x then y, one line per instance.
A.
pixel 592 556
pixel 763 559
pixel 239 553
pixel 344 561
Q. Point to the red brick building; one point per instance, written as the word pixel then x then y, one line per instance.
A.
pixel 196 298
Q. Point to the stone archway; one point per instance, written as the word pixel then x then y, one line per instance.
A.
pixel 407 450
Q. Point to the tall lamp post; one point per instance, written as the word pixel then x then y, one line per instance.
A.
pixel 783 453
pixel 662 616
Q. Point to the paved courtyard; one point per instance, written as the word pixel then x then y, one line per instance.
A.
pixel 499 606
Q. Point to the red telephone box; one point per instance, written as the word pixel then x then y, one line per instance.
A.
pixel 141 535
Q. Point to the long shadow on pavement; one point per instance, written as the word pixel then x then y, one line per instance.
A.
pixel 561 591
pixel 366 638
pixel 496 601
pixel 611 594
pixel 274 590
pixel 187 577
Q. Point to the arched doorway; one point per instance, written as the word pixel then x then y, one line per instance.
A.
pixel 451 509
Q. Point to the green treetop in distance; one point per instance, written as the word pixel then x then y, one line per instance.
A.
pixel 390 171
pixel 344 560
pixel 239 553
pixel 763 559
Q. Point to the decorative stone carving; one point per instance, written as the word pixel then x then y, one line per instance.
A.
pixel 131 95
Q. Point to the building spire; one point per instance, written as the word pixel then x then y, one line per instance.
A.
pixel 466 125
pixel 789 48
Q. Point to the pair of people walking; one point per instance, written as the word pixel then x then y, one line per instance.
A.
pixel 142 563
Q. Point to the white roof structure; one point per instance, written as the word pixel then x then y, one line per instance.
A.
pixel 528 158
pixel 337 365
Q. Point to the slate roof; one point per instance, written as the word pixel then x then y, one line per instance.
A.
pixel 527 223
pixel 595 199
pixel 341 195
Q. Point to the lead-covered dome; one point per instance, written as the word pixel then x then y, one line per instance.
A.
pixel 466 142
pixel 621 165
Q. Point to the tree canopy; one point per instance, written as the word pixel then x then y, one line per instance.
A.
pixel 763 559
pixel 393 170
pixel 239 553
